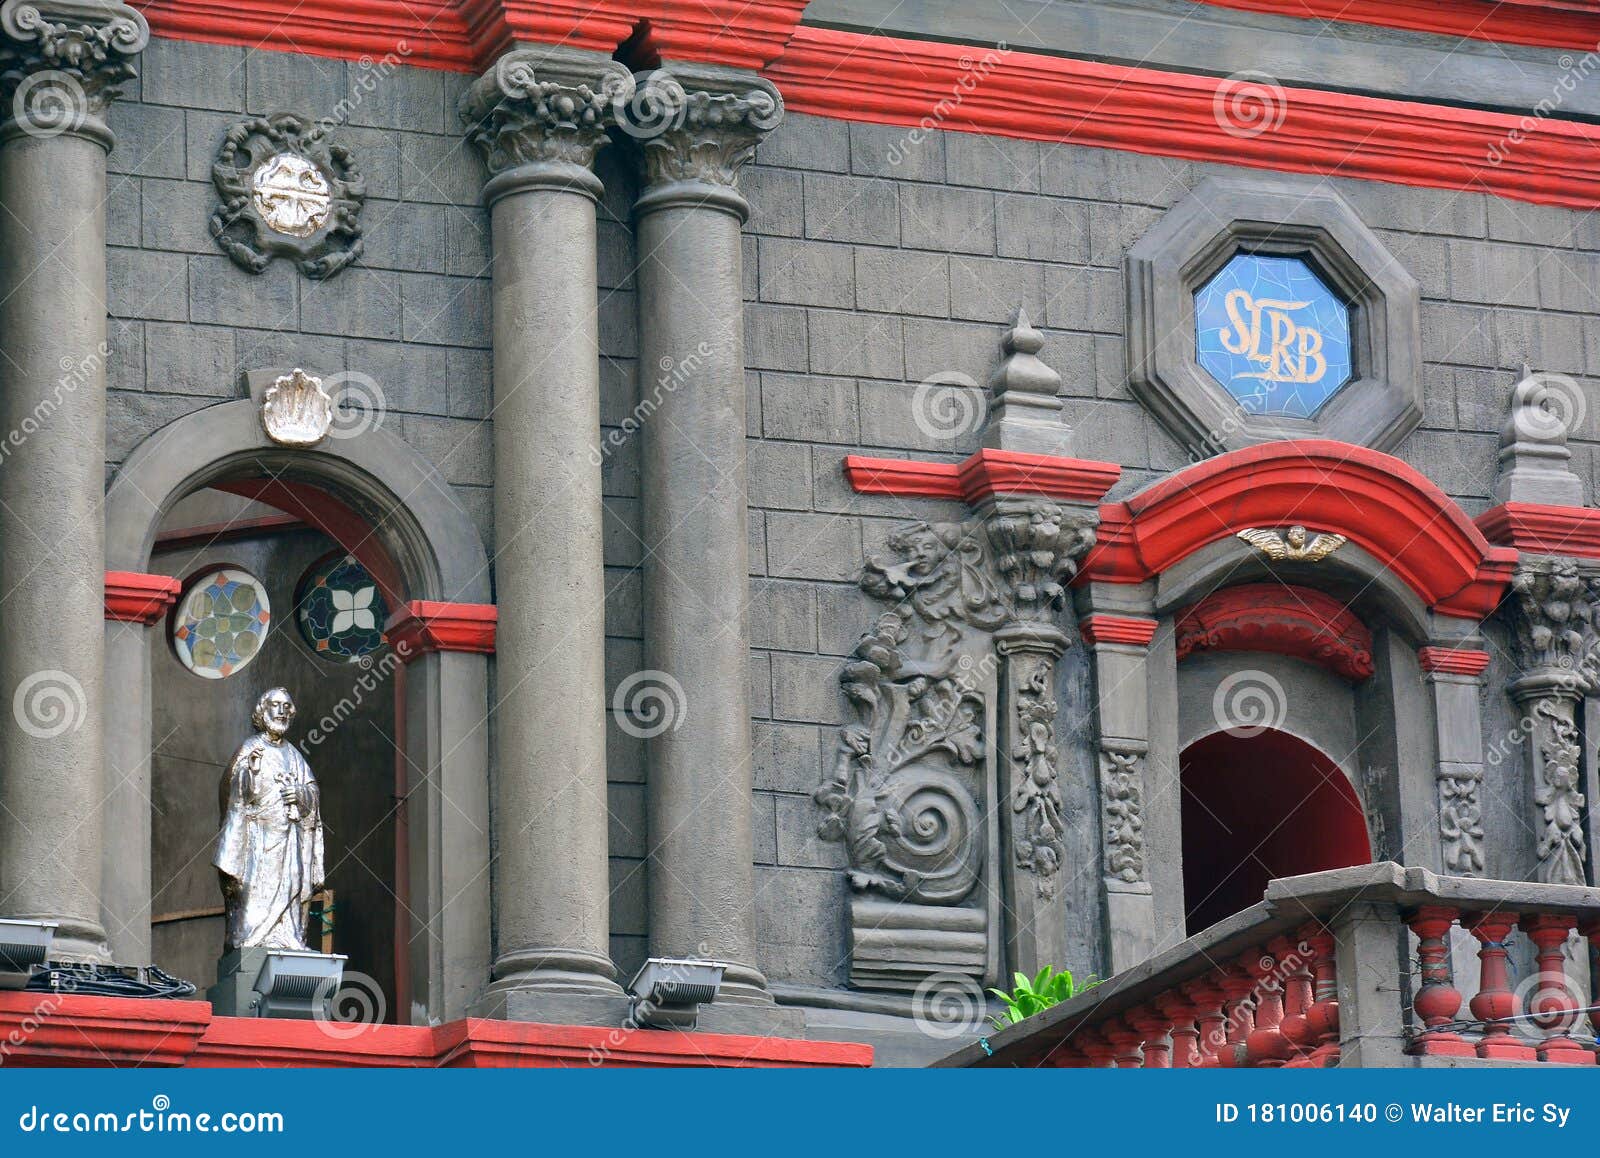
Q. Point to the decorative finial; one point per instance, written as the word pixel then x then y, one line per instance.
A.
pixel 1026 414
pixel 1534 458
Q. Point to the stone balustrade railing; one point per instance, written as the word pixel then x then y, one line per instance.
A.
pixel 1308 978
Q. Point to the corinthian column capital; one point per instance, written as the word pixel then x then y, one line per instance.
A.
pixel 696 126
pixel 539 116
pixel 1037 546
pixel 61 62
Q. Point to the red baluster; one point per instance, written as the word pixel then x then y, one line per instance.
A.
pixel 1322 1019
pixel 1065 1057
pixel 1438 1000
pixel 1555 1003
pixel 1208 997
pixel 1092 1043
pixel 1237 986
pixel 1181 1013
pixel 1154 1029
pixel 1495 1004
pixel 1266 1046
pixel 1294 960
pixel 1589 929
pixel 1126 1041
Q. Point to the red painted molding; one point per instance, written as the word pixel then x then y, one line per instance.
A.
pixel 1132 629
pixel 982 476
pixel 1544 530
pixel 423 625
pixel 930 85
pixel 1381 504
pixel 1524 22
pixel 43 1029
pixel 1295 621
pixel 134 597
pixel 1454 660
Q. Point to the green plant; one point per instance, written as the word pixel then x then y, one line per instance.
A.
pixel 1029 996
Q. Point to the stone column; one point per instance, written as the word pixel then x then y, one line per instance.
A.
pixel 1455 675
pixel 1036 545
pixel 539 116
pixel 60 64
pixel 1552 613
pixel 697 125
pixel 1120 643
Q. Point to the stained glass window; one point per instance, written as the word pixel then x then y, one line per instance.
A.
pixel 340 610
pixel 221 623
pixel 1273 334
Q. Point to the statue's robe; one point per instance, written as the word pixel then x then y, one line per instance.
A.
pixel 270 864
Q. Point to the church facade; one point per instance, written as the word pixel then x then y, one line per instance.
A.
pixel 878 497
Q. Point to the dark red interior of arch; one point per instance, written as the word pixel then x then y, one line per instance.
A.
pixel 1259 807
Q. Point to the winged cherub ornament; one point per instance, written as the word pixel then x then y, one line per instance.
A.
pixel 1292 545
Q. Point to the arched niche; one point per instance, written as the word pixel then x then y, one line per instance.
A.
pixel 382 501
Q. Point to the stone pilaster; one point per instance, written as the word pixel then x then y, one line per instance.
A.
pixel 539 116
pixel 1552 614
pixel 1036 545
pixel 696 126
pixel 60 65
pixel 1454 676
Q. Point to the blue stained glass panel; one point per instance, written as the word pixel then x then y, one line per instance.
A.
pixel 340 610
pixel 1272 333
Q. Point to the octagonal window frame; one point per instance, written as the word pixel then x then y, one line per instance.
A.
pixel 1382 402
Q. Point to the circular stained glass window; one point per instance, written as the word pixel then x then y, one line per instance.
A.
pixel 340 610
pixel 221 623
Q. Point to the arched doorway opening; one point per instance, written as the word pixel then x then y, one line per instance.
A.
pixel 1257 807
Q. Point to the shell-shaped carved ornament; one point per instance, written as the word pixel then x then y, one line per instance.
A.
pixel 296 410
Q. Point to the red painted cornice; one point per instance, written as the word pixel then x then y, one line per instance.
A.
pixel 1295 621
pixel 134 597
pixel 1453 660
pixel 1129 629
pixel 424 625
pixel 1381 504
pixel 984 475
pixel 1544 530
pixel 1541 24
pixel 950 86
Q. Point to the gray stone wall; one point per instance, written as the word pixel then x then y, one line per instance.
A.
pixel 875 258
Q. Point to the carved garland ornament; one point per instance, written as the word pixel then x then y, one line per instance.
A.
pixel 287 191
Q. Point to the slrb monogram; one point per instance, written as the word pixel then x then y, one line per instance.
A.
pixel 1264 330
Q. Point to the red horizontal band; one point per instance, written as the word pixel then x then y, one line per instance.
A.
pixel 423 626
pixel 1299 622
pixel 134 597
pixel 1454 660
pixel 1132 629
pixel 982 476
pixel 1524 22
pixel 1544 530
pixel 927 86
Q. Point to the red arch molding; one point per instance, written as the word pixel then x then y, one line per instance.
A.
pixel 1294 621
pixel 1381 504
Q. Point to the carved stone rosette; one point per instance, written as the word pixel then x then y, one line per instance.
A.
pixel 62 63
pixel 286 190
pixel 1552 615
pixel 953 756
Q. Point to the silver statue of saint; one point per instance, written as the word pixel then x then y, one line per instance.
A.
pixel 270 854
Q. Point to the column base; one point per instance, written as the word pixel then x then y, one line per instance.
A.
pixel 75 941
pixel 573 972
